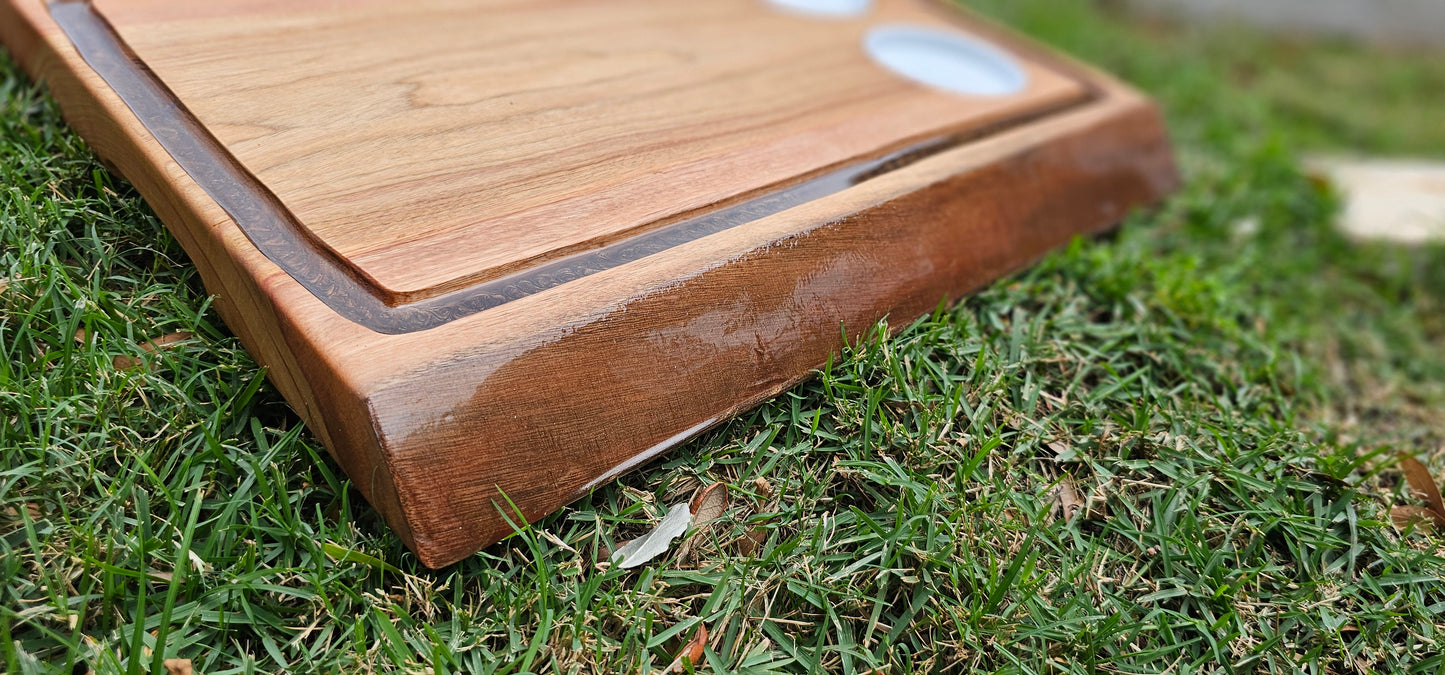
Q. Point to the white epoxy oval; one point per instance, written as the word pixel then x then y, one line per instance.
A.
pixel 945 60
pixel 824 8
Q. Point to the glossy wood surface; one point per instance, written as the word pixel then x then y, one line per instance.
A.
pixel 559 390
pixel 469 139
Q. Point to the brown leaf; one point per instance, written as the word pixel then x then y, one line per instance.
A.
pixel 1069 502
pixel 692 651
pixel 764 488
pixel 752 542
pixel 1423 484
pixel 1405 516
pixel 166 340
pixel 178 666
pixel 604 552
pixel 124 362
pixel 707 505
pixel 31 509
pixel 4 285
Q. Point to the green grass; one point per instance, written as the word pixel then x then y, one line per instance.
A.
pixel 1225 381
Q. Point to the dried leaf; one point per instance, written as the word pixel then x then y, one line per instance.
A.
pixel 31 509
pixel 692 651
pixel 1423 485
pixel 707 505
pixel 654 543
pixel 1063 451
pixel 1069 502
pixel 1405 516
pixel 178 666
pixel 764 488
pixel 604 552
pixel 158 575
pixel 752 542
pixel 4 285
pixel 123 362
pixel 166 340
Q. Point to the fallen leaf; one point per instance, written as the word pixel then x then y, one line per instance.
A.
pixel 31 509
pixel 751 542
pixel 692 651
pixel 178 666
pixel 1063 451
pixel 707 505
pixel 1423 485
pixel 1405 516
pixel 158 575
pixel 124 362
pixel 1069 502
pixel 4 285
pixel 604 552
pixel 167 340
pixel 764 488
pixel 654 543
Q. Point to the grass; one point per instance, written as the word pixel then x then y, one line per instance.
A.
pixel 1224 383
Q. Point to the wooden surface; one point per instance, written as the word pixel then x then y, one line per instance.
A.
pixel 426 150
pixel 468 139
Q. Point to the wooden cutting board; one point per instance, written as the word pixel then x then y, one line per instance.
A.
pixel 520 246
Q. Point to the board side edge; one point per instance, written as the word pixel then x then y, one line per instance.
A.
pixel 458 472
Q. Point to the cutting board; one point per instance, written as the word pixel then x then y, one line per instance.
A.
pixel 517 247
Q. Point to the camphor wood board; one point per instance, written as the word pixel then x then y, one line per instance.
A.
pixel 522 246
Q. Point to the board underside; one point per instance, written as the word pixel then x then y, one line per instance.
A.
pixel 521 246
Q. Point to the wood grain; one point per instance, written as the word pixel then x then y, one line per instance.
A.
pixel 471 139
pixel 554 392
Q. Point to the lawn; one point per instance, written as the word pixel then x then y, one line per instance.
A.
pixel 1224 384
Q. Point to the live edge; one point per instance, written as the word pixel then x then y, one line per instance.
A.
pixel 705 341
